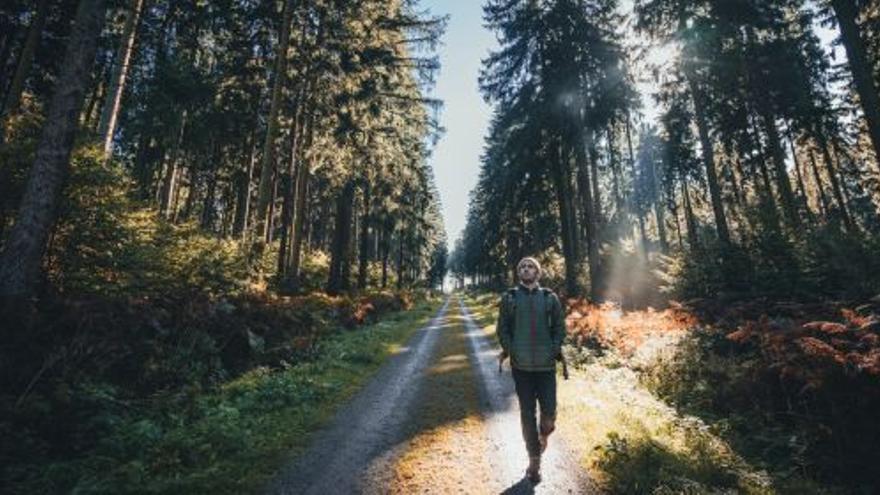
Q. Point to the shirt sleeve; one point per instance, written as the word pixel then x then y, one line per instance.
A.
pixel 557 324
pixel 502 327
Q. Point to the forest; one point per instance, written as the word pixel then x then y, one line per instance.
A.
pixel 213 213
pixel 191 191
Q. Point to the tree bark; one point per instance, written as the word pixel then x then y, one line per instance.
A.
pixel 847 14
pixel 690 220
pixel 169 184
pixel 366 221
pixel 708 161
pixel 268 162
pixel 341 239
pixel 23 251
pixel 823 199
pixel 783 182
pixel 586 186
pixel 562 185
pixel 243 196
pixel 836 188
pixel 122 61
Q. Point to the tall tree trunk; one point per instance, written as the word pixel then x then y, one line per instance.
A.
pixel 169 184
pixel 122 61
pixel 847 14
pixel 386 250
pixel 181 215
pixel 615 172
pixel 264 198
pixel 366 220
pixel 585 186
pixel 23 66
pixel 243 196
pixel 341 239
pixel 708 160
pixel 593 161
pixel 690 220
pixel 817 178
pixel 301 194
pixel 799 178
pixel 637 201
pixel 783 182
pixel 836 188
pixel 23 251
pixel 209 210
pixel 400 259
pixel 562 181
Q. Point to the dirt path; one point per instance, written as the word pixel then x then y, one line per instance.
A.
pixel 437 418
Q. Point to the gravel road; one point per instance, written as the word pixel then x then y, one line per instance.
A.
pixel 358 450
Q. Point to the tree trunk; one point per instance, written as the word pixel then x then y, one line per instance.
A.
pixel 586 186
pixel 561 182
pixel 783 182
pixel 847 14
pixel 836 189
pixel 23 66
pixel 400 260
pixel 301 194
pixel 386 252
pixel 122 61
pixel 708 161
pixel 169 185
pixel 366 220
pixel 209 212
pixel 799 178
pixel 817 178
pixel 23 251
pixel 263 214
pixel 243 196
pixel 341 239
pixel 690 220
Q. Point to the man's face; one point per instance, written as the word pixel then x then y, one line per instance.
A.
pixel 528 272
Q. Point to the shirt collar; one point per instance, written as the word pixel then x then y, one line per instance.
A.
pixel 527 290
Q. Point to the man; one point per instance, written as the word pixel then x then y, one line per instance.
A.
pixel 531 329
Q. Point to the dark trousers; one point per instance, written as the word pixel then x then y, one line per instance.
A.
pixel 535 387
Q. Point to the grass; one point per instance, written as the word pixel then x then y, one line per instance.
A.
pixel 235 438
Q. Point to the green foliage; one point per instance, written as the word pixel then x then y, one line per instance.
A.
pixel 187 416
pixel 646 466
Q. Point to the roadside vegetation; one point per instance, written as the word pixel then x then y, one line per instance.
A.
pixel 662 402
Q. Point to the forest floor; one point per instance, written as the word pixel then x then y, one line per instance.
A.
pixel 440 418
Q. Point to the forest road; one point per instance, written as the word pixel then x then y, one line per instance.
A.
pixel 363 448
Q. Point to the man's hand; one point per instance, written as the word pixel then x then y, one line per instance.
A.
pixel 501 358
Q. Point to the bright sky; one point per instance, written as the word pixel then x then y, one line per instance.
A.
pixel 456 159
pixel 465 116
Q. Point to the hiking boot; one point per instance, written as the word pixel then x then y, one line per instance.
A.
pixel 533 472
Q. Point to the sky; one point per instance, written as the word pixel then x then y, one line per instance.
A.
pixel 465 115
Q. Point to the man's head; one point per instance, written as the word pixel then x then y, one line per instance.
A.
pixel 529 270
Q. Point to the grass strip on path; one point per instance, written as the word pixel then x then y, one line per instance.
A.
pixel 444 454
pixel 233 439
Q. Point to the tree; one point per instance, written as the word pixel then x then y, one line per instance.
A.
pixel 23 250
